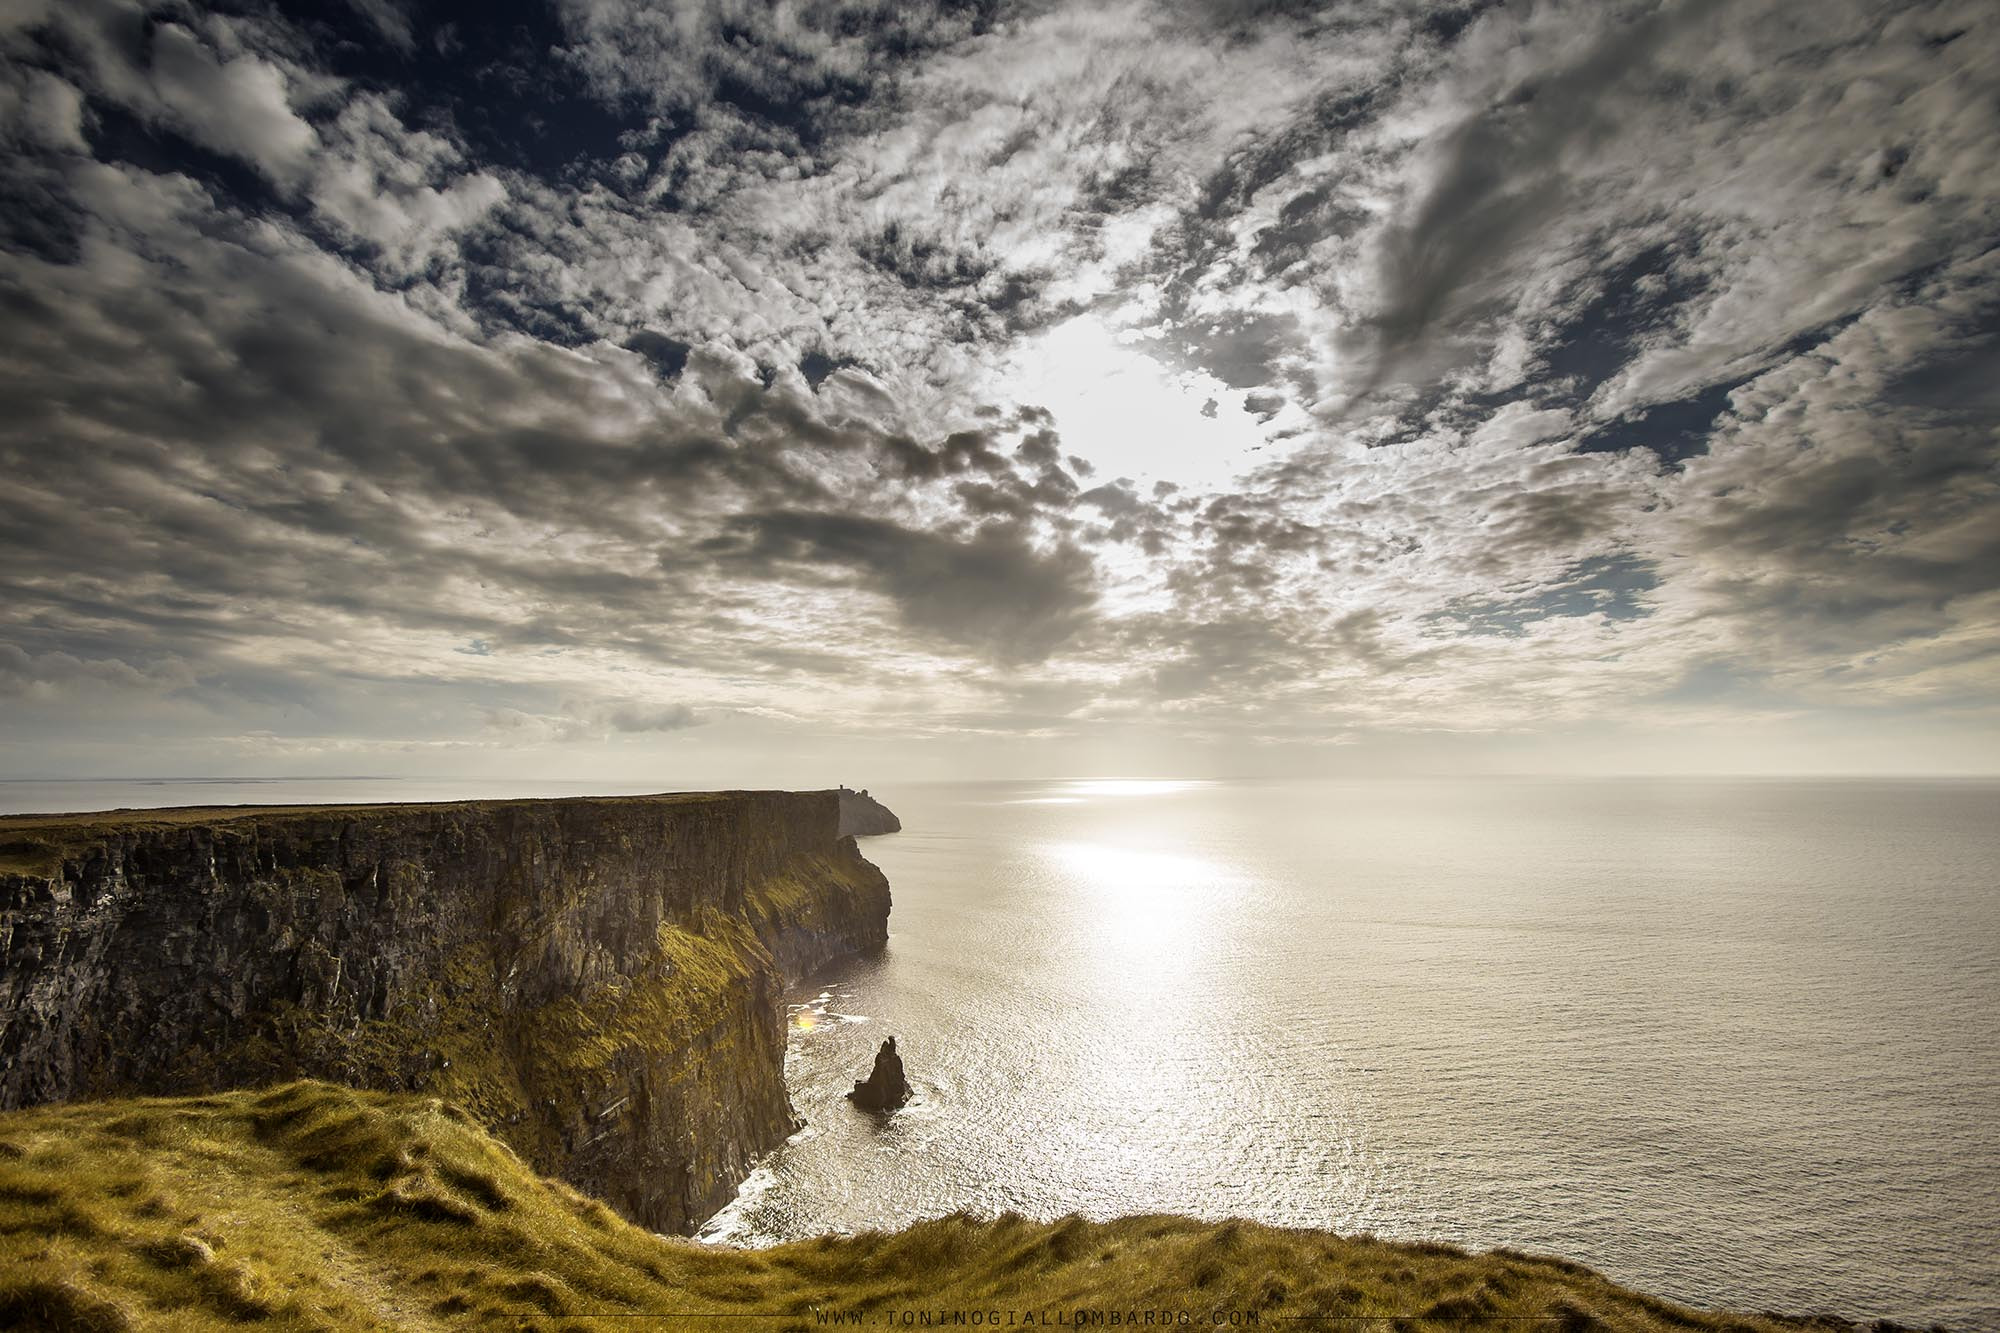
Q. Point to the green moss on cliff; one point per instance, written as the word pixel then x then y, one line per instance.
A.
pixel 455 1039
pixel 817 897
pixel 309 1206
pixel 35 856
pixel 447 1040
pixel 802 896
pixel 681 994
pixel 595 979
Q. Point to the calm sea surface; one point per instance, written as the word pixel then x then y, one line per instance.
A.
pixel 1731 1042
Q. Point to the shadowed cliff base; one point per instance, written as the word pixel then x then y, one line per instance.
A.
pixel 309 1206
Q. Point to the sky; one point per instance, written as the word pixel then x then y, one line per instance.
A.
pixel 776 394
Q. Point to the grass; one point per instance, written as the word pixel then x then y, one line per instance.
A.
pixel 148 817
pixel 311 1206
pixel 36 845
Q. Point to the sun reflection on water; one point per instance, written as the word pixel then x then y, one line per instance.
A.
pixel 1130 786
pixel 1138 904
pixel 1245 1001
pixel 1124 870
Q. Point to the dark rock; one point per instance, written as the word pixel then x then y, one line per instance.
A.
pixel 862 816
pixel 598 981
pixel 885 1088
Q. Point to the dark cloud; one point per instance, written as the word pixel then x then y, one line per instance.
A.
pixel 921 261
pixel 992 591
pixel 1243 351
pixel 1498 176
pixel 669 355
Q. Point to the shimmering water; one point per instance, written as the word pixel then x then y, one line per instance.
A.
pixel 1732 1043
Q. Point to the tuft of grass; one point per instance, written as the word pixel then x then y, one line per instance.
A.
pixel 315 1207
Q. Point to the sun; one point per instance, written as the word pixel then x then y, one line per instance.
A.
pixel 1128 413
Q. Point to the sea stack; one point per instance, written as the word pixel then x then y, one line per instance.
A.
pixel 885 1088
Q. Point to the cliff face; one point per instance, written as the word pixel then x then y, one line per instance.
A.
pixel 597 980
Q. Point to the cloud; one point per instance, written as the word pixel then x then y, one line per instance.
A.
pixel 44 111
pixel 992 592
pixel 661 373
pixel 400 191
pixel 643 718
pixel 595 722
pixel 240 106
pixel 47 675
pixel 1494 179
pixel 391 21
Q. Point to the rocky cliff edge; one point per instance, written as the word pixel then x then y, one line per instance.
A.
pixel 862 816
pixel 598 981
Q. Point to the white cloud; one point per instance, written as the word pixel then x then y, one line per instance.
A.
pixel 390 20
pixel 50 113
pixel 238 107
pixel 403 191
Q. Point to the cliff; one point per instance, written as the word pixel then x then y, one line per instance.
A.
pixel 862 816
pixel 598 981
pixel 316 1207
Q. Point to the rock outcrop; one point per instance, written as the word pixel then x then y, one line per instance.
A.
pixel 885 1088
pixel 599 981
pixel 862 816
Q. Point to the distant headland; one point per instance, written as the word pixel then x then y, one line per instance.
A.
pixel 862 816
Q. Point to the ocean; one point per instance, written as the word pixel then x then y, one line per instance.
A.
pixel 1731 1042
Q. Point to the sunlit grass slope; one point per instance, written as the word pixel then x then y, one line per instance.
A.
pixel 310 1206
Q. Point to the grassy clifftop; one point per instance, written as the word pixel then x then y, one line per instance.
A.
pixel 310 1206
pixel 36 844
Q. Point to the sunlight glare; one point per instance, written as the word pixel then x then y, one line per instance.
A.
pixel 1129 414
pixel 1140 904
pixel 1130 786
pixel 1121 870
